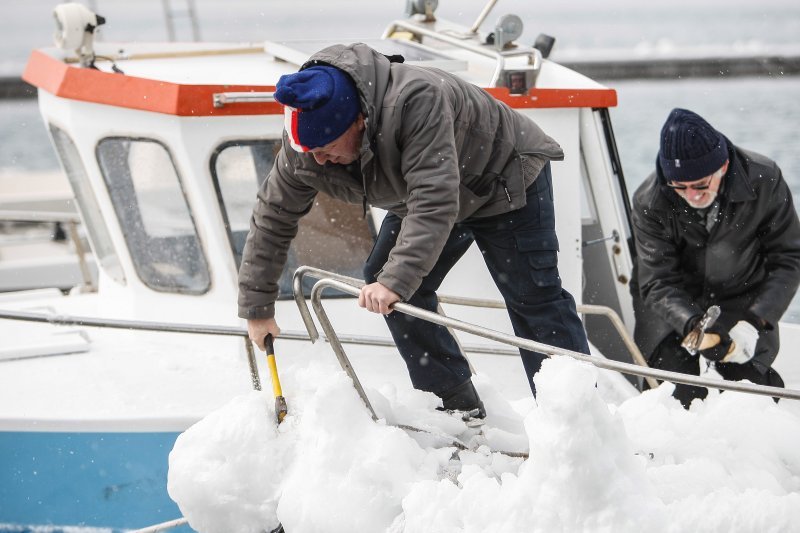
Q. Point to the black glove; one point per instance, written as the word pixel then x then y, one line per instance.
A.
pixel 715 350
pixel 691 323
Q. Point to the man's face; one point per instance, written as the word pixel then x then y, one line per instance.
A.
pixel 344 149
pixel 700 193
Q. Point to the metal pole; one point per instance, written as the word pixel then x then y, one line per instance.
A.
pixel 485 13
pixel 169 20
pixel 139 325
pixel 299 297
pixel 65 320
pixel 638 358
pixel 193 19
pixel 609 313
pixel 251 361
pixel 327 327
pixel 88 283
pixel 301 272
pixel 162 526
pixel 534 346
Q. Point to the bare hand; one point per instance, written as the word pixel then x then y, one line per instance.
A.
pixel 258 328
pixel 709 341
pixel 377 298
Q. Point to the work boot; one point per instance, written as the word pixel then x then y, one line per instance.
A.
pixel 464 398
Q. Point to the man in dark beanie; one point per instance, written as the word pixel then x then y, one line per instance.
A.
pixel 713 225
pixel 451 165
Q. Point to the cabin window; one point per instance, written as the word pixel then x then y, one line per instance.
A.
pixel 154 215
pixel 87 203
pixel 333 236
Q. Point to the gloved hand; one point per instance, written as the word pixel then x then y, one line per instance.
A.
pixel 689 341
pixel 715 344
pixel 744 336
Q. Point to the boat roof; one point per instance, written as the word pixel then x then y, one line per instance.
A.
pixel 182 78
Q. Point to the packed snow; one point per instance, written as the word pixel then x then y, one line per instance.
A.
pixel 730 463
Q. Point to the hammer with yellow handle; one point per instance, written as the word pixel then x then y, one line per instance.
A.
pixel 280 402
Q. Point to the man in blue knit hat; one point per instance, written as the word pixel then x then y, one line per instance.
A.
pixel 713 225
pixel 452 166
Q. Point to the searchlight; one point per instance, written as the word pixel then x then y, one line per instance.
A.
pixel 75 27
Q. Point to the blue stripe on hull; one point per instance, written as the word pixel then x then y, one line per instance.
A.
pixel 106 480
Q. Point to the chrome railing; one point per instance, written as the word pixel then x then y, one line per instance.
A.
pixel 348 288
pixel 71 222
pixel 308 321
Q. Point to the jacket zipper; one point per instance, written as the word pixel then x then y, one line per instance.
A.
pixel 505 188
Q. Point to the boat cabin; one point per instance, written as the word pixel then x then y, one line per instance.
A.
pixel 165 147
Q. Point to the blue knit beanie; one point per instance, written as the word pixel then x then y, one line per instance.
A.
pixel 691 148
pixel 320 104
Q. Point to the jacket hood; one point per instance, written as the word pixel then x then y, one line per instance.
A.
pixel 370 71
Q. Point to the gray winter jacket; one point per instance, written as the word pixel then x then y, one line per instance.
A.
pixel 436 150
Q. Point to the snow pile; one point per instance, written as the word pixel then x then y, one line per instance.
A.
pixel 582 474
pixel 731 463
pixel 328 466
pixel 222 471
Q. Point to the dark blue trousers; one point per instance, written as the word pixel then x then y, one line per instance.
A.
pixel 520 250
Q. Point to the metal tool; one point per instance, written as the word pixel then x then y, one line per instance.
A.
pixel 692 342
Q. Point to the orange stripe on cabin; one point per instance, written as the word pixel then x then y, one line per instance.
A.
pixel 120 90
pixel 89 85
pixel 548 98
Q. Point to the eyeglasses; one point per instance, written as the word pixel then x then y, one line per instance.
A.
pixel 683 187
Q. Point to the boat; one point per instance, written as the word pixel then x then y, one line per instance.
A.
pixel 164 146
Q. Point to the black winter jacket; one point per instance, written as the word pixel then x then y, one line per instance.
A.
pixel 749 264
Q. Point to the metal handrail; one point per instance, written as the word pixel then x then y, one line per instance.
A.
pixel 27 215
pixel 534 346
pixel 585 309
pixel 469 43
pixel 299 297
pixel 308 321
pixel 71 220
pixel 289 335
pixel 163 526
pixel 138 325
pixel 222 99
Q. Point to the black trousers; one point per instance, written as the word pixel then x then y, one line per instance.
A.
pixel 670 356
pixel 520 251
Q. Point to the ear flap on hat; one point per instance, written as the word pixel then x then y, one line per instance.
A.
pixel 290 123
pixel 322 102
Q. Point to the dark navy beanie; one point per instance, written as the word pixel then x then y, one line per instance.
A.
pixel 691 148
pixel 320 104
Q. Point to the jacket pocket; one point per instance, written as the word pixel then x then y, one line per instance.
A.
pixel 469 202
pixel 538 250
